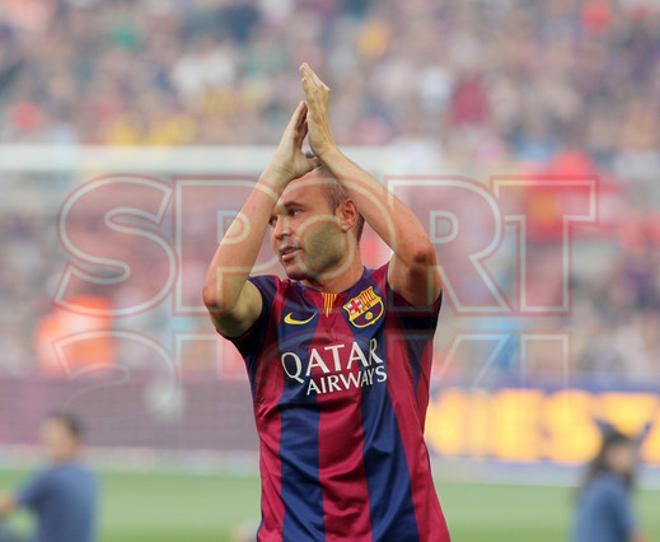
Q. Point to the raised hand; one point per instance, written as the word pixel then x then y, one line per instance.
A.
pixel 289 161
pixel 317 94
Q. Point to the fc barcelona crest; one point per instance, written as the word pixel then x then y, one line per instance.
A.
pixel 365 308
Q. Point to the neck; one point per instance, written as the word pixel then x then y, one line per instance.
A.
pixel 69 458
pixel 335 283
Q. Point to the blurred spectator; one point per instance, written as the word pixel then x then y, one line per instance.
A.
pixel 63 496
pixel 537 75
pixel 604 507
pixel 69 344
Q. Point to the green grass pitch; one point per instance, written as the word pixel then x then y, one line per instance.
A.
pixel 180 507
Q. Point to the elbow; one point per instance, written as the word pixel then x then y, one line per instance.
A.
pixel 423 254
pixel 210 297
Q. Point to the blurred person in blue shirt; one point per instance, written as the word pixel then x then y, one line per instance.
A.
pixel 604 508
pixel 63 496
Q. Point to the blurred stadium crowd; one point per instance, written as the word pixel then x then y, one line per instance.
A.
pixel 515 78
pixel 564 87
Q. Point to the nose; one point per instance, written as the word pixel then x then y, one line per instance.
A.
pixel 282 228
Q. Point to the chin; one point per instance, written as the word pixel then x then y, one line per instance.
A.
pixel 296 275
pixel 294 272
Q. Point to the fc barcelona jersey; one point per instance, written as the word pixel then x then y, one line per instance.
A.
pixel 340 386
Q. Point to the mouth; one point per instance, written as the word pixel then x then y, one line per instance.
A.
pixel 288 253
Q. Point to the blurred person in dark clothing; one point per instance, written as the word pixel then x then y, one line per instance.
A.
pixel 604 505
pixel 62 496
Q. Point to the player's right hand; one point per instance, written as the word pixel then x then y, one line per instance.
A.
pixel 289 161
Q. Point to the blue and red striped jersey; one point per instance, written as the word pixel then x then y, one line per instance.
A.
pixel 340 386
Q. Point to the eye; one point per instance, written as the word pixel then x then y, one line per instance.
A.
pixel 272 221
pixel 294 212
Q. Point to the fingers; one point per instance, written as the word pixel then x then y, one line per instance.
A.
pixel 312 84
pixel 301 126
pixel 302 115
pixel 301 134
pixel 307 72
pixel 298 114
pixel 307 89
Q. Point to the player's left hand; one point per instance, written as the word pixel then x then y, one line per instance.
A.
pixel 317 94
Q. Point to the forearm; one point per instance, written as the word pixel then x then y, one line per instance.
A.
pixel 390 218
pixel 238 250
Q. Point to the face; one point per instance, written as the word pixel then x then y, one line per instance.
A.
pixel 308 237
pixel 58 442
pixel 621 458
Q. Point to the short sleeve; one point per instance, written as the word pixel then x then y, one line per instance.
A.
pixel 412 317
pixel 32 493
pixel 251 341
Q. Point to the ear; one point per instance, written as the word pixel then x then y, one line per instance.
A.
pixel 347 214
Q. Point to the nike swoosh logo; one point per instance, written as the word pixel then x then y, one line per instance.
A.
pixel 289 319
